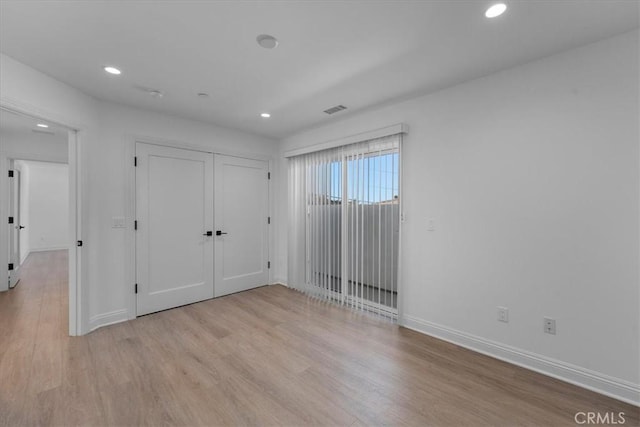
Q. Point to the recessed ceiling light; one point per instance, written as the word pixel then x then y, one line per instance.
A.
pixel 203 95
pixel 495 10
pixel 156 93
pixel 266 41
pixel 112 70
pixel 42 125
pixel 265 115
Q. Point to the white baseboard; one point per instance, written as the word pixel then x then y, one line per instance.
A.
pixel 280 281
pixel 107 319
pixel 591 380
pixel 52 248
pixel 24 258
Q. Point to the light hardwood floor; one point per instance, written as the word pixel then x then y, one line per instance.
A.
pixel 269 356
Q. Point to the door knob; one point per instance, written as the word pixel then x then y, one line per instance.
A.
pixel 208 233
pixel 220 233
pixel 21 227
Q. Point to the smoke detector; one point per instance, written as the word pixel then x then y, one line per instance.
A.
pixel 266 41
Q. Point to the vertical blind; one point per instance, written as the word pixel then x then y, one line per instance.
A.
pixel 344 207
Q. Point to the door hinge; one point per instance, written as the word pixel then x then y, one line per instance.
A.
pixel 10 220
pixel 10 174
pixel 135 288
pixel 268 264
pixel 79 243
pixel 10 266
pixel 135 161
pixel 268 175
pixel 135 224
pixel 268 220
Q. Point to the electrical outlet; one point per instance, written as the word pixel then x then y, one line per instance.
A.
pixel 549 326
pixel 431 224
pixel 503 314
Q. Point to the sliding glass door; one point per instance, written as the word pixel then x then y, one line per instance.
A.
pixel 372 212
pixel 352 215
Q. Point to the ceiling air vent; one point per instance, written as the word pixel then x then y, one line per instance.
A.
pixel 335 109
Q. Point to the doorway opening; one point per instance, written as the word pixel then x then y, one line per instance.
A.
pixel 38 195
pixel 39 206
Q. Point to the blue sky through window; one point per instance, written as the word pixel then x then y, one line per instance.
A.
pixel 371 179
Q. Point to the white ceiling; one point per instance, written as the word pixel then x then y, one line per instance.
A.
pixel 355 53
pixel 25 127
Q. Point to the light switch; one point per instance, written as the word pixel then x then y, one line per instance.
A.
pixel 431 224
pixel 117 222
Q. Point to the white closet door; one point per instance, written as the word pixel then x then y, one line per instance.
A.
pixel 174 208
pixel 241 212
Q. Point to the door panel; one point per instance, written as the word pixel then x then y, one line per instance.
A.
pixel 14 229
pixel 241 211
pixel 174 207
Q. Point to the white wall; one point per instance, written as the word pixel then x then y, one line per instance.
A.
pixel 532 177
pixel 107 130
pixel 27 144
pixel 47 189
pixel 26 87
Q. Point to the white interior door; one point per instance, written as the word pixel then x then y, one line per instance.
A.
pixel 14 228
pixel 241 212
pixel 174 208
